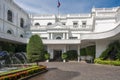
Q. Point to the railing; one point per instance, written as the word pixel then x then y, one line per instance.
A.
pixel 106 9
pixel 68 27
pixel 104 15
pixel 101 35
pixel 61 16
pixel 63 41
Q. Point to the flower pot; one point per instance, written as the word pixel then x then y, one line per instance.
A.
pixel 47 60
pixel 64 60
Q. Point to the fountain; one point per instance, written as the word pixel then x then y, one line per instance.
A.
pixel 8 61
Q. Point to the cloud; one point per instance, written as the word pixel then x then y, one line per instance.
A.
pixel 67 6
pixel 36 6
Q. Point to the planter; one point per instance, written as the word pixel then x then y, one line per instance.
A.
pixel 83 58
pixel 64 60
pixel 47 60
pixel 89 58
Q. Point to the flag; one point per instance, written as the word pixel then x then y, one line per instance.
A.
pixel 58 4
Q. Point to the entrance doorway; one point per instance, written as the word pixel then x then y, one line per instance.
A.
pixel 57 55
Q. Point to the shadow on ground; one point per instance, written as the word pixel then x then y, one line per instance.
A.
pixel 56 74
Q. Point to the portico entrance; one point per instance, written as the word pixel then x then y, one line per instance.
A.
pixel 57 55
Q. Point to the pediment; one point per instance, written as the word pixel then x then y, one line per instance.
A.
pixel 57 25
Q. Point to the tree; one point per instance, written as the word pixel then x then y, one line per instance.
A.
pixel 35 49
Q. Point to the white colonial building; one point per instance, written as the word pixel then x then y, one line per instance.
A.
pixel 61 33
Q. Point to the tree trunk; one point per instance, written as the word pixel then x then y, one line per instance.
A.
pixel 37 63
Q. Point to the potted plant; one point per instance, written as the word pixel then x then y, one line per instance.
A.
pixel 47 57
pixel 64 57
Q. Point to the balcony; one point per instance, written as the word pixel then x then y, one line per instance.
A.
pixel 12 38
pixel 65 41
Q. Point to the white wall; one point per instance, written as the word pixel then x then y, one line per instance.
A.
pixel 104 25
pixel 18 13
pixel 101 45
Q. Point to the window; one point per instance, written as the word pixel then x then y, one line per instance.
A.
pixel 37 24
pixel 84 24
pixel 49 23
pixel 9 16
pixel 73 37
pixel 43 37
pixel 75 24
pixel 58 38
pixel 63 23
pixel 21 36
pixel 22 22
pixel 9 32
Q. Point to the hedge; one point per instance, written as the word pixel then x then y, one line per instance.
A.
pixel 17 74
pixel 82 52
pixel 107 62
pixel 88 51
pixel 72 55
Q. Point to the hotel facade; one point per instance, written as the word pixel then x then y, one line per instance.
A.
pixel 60 33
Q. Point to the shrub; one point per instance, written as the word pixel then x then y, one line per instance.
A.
pixel 82 52
pixel 112 52
pixel 104 54
pixel 35 49
pixel 107 62
pixel 47 56
pixel 90 51
pixel 18 74
pixel 64 56
pixel 72 54
pixel 118 55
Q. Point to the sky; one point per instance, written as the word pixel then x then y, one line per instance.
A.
pixel 66 7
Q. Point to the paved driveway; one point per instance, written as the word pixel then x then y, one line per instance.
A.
pixel 79 71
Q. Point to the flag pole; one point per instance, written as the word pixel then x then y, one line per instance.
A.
pixel 58 9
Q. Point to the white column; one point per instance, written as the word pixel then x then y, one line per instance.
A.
pixel 67 36
pixel 51 35
pixel 52 53
pixel 78 50
pixel 65 49
pixel 63 35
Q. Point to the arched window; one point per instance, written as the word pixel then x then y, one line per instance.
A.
pixel 9 16
pixel 9 32
pixel 58 37
pixel 21 36
pixel 22 22
pixel 37 24
pixel 49 23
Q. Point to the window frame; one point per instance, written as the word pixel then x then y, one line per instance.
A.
pixel 84 24
pixel 10 16
pixel 75 24
pixel 22 22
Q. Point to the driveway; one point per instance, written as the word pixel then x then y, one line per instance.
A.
pixel 78 71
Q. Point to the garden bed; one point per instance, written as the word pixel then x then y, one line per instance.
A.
pixel 22 73
pixel 107 62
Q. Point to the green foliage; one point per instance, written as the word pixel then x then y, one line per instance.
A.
pixel 35 49
pixel 107 62
pixel 82 52
pixel 104 54
pixel 47 56
pixel 118 55
pixel 72 54
pixel 21 73
pixel 112 52
pixel 6 46
pixel 12 47
pixel 64 56
pixel 20 48
pixel 90 51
